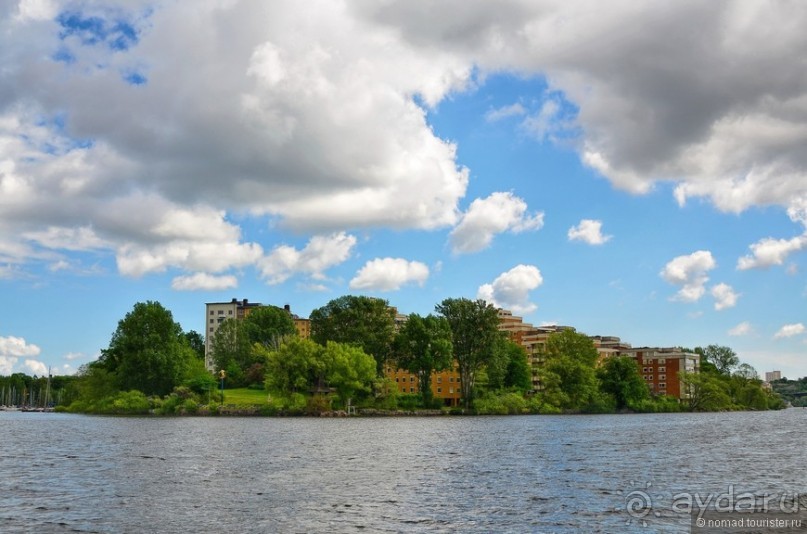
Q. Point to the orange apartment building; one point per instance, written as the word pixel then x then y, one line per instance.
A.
pixel 445 384
pixel 660 368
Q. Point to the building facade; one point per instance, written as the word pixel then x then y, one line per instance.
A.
pixel 215 314
pixel 661 368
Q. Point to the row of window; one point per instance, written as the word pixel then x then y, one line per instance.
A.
pixel 439 390
pixel 221 312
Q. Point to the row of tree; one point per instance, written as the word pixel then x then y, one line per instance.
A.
pixel 353 340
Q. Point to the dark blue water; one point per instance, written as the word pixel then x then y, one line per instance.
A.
pixel 67 473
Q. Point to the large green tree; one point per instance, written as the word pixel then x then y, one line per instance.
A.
pixel 304 366
pixel 232 351
pixel 148 351
pixel 348 369
pixel 295 367
pixel 570 360
pixel 508 367
pixel 723 358
pixel 474 333
pixel 422 347
pixel 269 326
pixel 366 322
pixel 619 377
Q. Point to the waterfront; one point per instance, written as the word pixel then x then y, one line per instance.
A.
pixel 71 473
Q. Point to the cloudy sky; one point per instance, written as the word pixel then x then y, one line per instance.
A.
pixel 636 170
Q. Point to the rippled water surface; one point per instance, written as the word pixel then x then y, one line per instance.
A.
pixel 68 473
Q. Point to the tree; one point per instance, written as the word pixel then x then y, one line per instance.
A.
pixel 705 392
pixel 723 358
pixel 300 366
pixel 148 351
pixel 348 369
pixel 474 330
pixel 295 367
pixel 619 377
pixel 269 326
pixel 366 322
pixel 197 343
pixel 231 350
pixel 747 372
pixel 508 367
pixel 571 359
pixel 422 347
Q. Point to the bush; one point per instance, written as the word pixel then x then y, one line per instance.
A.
pixel 501 404
pixel 408 401
pixel 130 402
pixel 318 404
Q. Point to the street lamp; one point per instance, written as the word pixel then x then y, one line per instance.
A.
pixel 222 375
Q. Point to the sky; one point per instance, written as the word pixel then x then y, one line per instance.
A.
pixel 632 169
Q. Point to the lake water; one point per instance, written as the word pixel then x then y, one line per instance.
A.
pixel 70 473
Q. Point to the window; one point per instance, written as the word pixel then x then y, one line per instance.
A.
pixel 439 379
pixel 411 378
pixel 212 329
pixel 450 378
pixel 211 321
pixel 411 390
pixel 221 312
pixel 211 312
pixel 662 385
pixel 451 390
pixel 439 390
pixel 230 312
pixel 662 377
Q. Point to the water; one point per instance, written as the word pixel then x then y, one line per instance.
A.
pixel 69 473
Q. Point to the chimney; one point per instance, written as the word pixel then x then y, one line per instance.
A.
pixel 287 308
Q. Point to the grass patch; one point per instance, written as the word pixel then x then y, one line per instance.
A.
pixel 245 397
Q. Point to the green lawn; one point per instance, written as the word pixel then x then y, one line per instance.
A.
pixel 245 397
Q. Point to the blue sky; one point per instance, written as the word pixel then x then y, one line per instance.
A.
pixel 649 184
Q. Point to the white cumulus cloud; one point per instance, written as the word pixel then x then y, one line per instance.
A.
pixel 690 273
pixel 320 254
pixel 769 252
pixel 742 329
pixel 12 346
pixel 203 282
pixel 389 274
pixel 790 330
pixel 511 289
pixel 487 217
pixel 589 231
pixel 725 296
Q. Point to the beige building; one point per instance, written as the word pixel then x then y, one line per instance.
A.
pixel 215 314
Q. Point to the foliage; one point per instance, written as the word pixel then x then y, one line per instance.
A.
pixel 268 326
pixel 348 369
pixel 302 366
pixel 148 351
pixel 619 377
pixel 422 347
pixel 509 403
pixel 196 342
pixel 474 332
pixel 508 367
pixel 295 367
pixel 706 392
pixel 120 403
pixel 232 351
pixel 357 320
pixel 723 358
pixel 568 376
